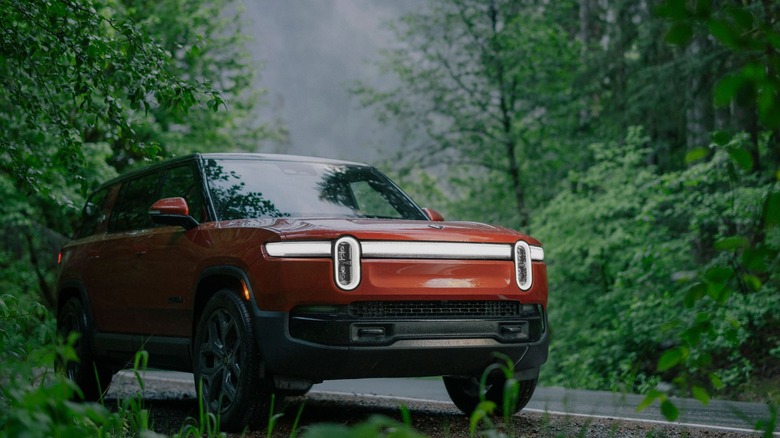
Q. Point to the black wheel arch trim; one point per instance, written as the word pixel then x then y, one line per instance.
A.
pixel 226 270
pixel 214 271
pixel 86 305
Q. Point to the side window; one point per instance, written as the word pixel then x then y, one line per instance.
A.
pixel 182 182
pixel 93 214
pixel 131 211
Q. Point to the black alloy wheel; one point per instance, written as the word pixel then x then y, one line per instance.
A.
pixel 464 393
pixel 227 364
pixel 90 374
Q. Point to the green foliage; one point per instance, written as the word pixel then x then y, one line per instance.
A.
pixel 88 89
pixel 478 83
pixel 73 74
pixel 92 87
pixel 661 241
pixel 635 264
pixel 483 413
pixel 609 257
pixel 207 424
pixel 747 30
pixel 33 401
pixel 375 426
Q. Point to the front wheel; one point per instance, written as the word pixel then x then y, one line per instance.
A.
pixel 464 392
pixel 227 364
pixel 90 374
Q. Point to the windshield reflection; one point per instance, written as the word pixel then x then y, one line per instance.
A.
pixel 246 188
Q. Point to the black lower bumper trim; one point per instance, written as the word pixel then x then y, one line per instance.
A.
pixel 437 354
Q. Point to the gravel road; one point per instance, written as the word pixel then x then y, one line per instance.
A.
pixel 173 402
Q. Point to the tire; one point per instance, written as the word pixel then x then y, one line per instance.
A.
pixel 90 374
pixel 227 364
pixel 464 393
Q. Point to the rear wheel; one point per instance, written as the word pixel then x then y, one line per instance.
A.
pixel 464 392
pixel 90 374
pixel 227 364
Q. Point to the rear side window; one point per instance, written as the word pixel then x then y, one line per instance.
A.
pixel 93 214
pixel 131 211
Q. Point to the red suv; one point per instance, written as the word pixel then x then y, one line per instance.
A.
pixel 266 274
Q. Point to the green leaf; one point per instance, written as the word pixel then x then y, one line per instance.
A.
pixel 731 243
pixel 743 18
pixel 716 382
pixel 694 294
pixel 741 157
pixel 721 138
pixel 695 155
pixel 772 213
pixel 669 410
pixel 752 282
pixel 724 33
pixel 674 9
pixel 652 396
pixel 671 358
pixel 718 274
pixel 703 8
pixel 754 259
pixel 700 394
pixel 718 292
pixel 679 34
pixel 770 116
pixel 510 396
pixel 482 412
pixel 727 88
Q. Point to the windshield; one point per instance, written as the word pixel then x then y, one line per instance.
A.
pixel 243 189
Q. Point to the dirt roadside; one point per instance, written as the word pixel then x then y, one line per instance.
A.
pixel 172 403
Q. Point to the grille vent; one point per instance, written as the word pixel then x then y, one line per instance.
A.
pixel 434 309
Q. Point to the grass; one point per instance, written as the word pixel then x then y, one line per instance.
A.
pixel 35 403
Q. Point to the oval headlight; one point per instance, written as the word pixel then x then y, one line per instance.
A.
pixel 346 263
pixel 523 265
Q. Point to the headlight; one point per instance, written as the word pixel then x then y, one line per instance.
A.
pixel 523 265
pixel 346 263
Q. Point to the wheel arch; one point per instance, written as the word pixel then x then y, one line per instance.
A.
pixel 77 290
pixel 70 290
pixel 214 279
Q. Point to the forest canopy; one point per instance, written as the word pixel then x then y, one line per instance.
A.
pixel 639 141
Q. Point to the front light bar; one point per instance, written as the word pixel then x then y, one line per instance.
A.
pixel 347 253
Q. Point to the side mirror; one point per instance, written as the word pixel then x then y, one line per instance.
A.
pixel 433 214
pixel 172 211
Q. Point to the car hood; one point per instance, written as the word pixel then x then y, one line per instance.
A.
pixel 384 229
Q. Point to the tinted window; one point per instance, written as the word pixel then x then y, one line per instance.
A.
pixel 131 211
pixel 182 182
pixel 93 214
pixel 244 189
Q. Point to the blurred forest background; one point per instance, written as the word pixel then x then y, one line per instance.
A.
pixel 637 139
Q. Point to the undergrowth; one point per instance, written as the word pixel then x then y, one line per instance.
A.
pixel 37 402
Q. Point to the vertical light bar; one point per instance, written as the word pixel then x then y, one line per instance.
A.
pixel 346 263
pixel 523 266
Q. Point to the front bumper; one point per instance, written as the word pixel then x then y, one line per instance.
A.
pixel 337 345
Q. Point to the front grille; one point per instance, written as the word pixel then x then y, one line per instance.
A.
pixel 434 309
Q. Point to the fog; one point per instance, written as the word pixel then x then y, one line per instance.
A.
pixel 309 53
